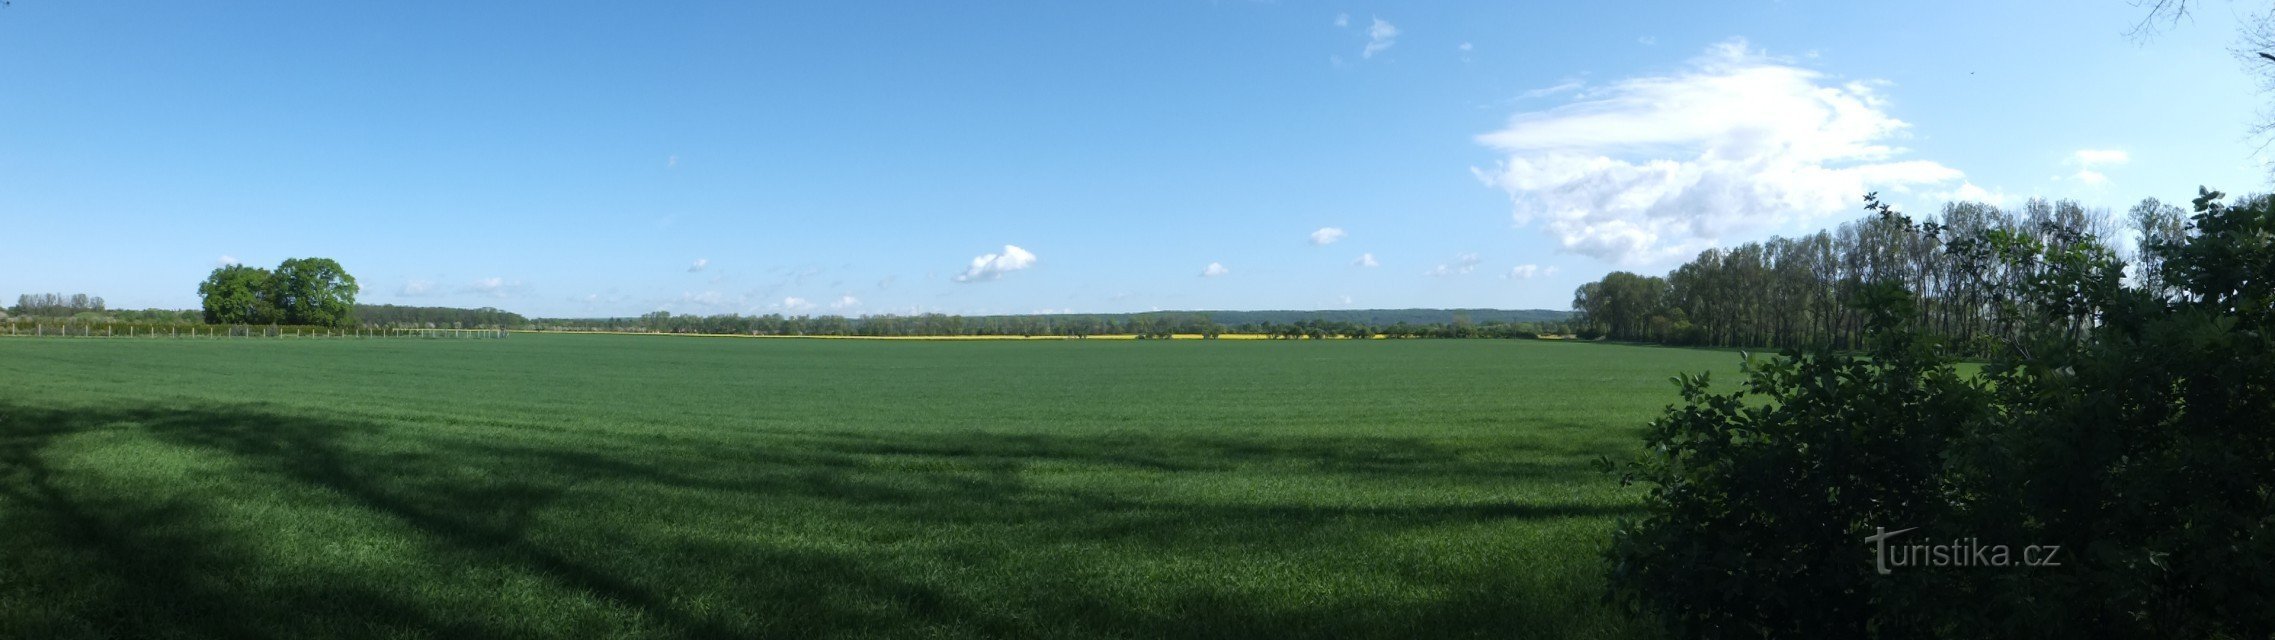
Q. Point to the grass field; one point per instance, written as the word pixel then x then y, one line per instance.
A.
pixel 630 486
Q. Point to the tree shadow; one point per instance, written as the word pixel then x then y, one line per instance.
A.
pixel 113 563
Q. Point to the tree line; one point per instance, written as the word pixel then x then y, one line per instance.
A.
pixel 2105 474
pixel 1154 325
pixel 1789 292
pixel 55 305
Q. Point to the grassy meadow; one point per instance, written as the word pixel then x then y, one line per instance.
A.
pixel 637 486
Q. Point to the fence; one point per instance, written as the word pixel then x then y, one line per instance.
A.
pixel 40 329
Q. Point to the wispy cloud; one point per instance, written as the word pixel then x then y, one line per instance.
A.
pixel 1214 269
pixel 1366 260
pixel 845 302
pixel 700 264
pixel 1657 167
pixel 225 260
pixel 1462 264
pixel 1342 20
pixel 1380 36
pixel 1326 236
pixel 1528 272
pixel 993 265
pixel 1564 87
pixel 416 288
pixel 495 287
pixel 794 303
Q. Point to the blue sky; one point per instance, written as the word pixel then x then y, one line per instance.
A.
pixel 588 159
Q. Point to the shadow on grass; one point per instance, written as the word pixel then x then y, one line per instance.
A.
pixel 95 558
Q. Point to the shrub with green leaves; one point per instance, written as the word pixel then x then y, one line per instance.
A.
pixel 2132 428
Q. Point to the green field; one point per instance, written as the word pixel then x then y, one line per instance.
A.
pixel 648 486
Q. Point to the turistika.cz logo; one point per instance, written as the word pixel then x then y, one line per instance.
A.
pixel 1959 552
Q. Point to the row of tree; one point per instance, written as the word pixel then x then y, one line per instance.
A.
pixel 1788 292
pixel 1150 325
pixel 55 305
pixel 388 315
pixel 301 291
pixel 2106 473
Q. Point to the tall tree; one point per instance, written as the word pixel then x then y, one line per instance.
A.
pixel 237 294
pixel 313 291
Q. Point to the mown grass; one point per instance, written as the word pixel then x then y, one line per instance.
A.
pixel 626 486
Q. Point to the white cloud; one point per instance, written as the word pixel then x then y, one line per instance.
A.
pixel 1461 264
pixel 994 265
pixel 1465 46
pixel 1214 269
pixel 1566 86
pixel 1968 192
pixel 2099 157
pixel 226 260
pixel 1342 20
pixel 795 303
pixel 846 302
pixel 1528 272
pixel 1365 260
pixel 1326 236
pixel 1658 167
pixel 671 162
pixel 1647 41
pixel 2087 160
pixel 700 264
pixel 1381 35
pixel 495 287
pixel 416 288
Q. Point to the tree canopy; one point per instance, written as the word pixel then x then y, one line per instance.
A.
pixel 302 291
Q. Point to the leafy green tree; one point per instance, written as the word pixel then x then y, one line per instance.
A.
pixel 2128 427
pixel 313 291
pixel 237 294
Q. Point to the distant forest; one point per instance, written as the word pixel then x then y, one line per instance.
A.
pixel 1794 292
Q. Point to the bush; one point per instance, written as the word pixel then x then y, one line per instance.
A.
pixel 2131 430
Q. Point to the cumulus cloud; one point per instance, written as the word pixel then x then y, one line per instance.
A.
pixel 495 287
pixel 1381 35
pixel 1462 264
pixel 994 265
pixel 1968 192
pixel 226 260
pixel 1658 167
pixel 846 302
pixel 1365 260
pixel 1528 271
pixel 416 288
pixel 795 303
pixel 1214 269
pixel 2089 161
pixel 1326 236
pixel 700 264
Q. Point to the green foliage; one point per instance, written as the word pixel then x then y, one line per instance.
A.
pixel 313 291
pixel 2130 425
pixel 302 291
pixel 238 294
